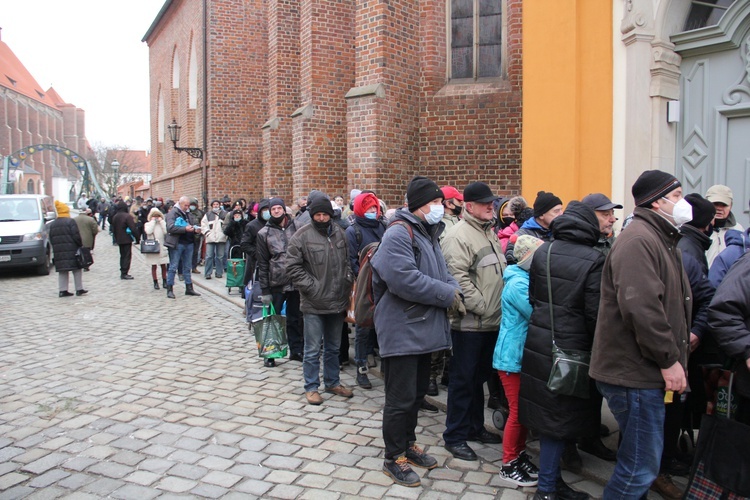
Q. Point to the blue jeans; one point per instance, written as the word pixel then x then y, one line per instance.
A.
pixel 214 257
pixel 550 452
pixel 182 254
pixel 322 332
pixel 640 416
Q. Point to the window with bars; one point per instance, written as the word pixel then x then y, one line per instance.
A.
pixel 706 13
pixel 476 39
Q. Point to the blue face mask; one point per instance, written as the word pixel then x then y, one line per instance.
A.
pixel 434 215
pixel 371 215
pixel 265 215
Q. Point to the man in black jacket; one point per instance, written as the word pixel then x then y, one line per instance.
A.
pixel 250 234
pixel 121 222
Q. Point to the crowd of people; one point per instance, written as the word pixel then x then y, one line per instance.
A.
pixel 471 288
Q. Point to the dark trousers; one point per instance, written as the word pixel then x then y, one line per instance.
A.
pixel 126 253
pixel 293 320
pixel 471 367
pixel 406 379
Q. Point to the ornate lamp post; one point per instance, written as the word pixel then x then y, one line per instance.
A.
pixel 174 135
pixel 115 177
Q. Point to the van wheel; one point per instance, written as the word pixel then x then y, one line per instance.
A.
pixel 43 269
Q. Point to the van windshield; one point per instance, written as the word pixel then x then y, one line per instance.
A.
pixel 18 210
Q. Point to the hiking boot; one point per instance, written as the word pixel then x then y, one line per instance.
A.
pixel 313 398
pixel 189 291
pixel 571 459
pixel 664 486
pixel 513 473
pixel 400 472
pixel 418 458
pixel 524 461
pixel 156 284
pixel 428 407
pixel 170 293
pixel 362 379
pixel 432 388
pixel 340 390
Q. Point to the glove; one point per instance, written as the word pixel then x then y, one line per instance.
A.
pixel 457 308
pixel 266 299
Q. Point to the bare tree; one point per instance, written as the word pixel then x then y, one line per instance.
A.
pixel 101 162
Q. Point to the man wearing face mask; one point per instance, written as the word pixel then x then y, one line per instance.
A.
pixel 642 338
pixel 250 234
pixel 452 206
pixel 198 246
pixel 475 259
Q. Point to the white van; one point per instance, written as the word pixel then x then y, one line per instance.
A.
pixel 24 231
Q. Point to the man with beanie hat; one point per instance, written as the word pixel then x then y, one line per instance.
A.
pixel 547 207
pixel 303 216
pixel 318 266
pixel 412 289
pixel 270 251
pixel 642 332
pixel 249 236
pixel 722 198
pixel 475 259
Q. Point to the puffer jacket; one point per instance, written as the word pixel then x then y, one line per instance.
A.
pixel 175 231
pixel 212 227
pixel 729 320
pixel 532 228
pixel 737 244
pixel 575 274
pixel 318 265
pixel 412 291
pixel 270 252
pixel 693 245
pixel 65 240
pixel 514 323
pixel 645 308
pixel 475 259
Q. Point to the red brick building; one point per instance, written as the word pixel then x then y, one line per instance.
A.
pixel 286 96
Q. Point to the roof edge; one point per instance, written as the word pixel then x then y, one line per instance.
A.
pixel 157 20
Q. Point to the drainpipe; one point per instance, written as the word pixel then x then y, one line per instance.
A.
pixel 204 168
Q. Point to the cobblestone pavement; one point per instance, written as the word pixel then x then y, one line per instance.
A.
pixel 122 393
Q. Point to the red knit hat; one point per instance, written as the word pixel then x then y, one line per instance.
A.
pixel 364 202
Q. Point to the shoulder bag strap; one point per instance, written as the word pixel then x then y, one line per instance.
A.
pixel 549 294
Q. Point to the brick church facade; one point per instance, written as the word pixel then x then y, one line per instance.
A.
pixel 288 96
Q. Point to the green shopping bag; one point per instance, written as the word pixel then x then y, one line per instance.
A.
pixel 270 334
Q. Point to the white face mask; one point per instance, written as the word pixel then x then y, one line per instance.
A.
pixel 682 211
pixel 434 215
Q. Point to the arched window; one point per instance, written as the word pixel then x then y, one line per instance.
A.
pixel 30 186
pixel 476 36
pixel 706 13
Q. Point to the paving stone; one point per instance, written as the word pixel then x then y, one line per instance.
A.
pixel 254 487
pixel 142 477
pixel 287 463
pixel 110 469
pixel 188 471
pixel 102 487
pixel 47 493
pixel 17 492
pixel 11 479
pixel 209 491
pixel 45 463
pixel 176 484
pixel 220 478
pixel 130 491
pixel 48 478
pixel 216 463
pixel 75 481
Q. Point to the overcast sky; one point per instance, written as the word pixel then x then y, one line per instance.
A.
pixel 91 52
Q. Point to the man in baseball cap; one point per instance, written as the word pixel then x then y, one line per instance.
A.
pixel 722 198
pixel 605 212
pixel 453 201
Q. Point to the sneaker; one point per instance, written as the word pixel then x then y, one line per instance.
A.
pixel 340 390
pixel 418 458
pixel 664 486
pixel 524 460
pixel 363 381
pixel 313 398
pixel 400 472
pixel 513 473
pixel 428 407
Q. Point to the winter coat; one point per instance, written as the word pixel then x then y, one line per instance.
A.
pixel 693 245
pixel 729 320
pixel 65 240
pixel 575 274
pixel 88 228
pixel 156 229
pixel 604 245
pixel 212 227
pixel 177 231
pixel 270 251
pixel 530 227
pixel 247 244
pixel 505 233
pixel 449 221
pixel 646 305
pixel 411 291
pixel 121 222
pixel 361 233
pixel 514 322
pixel 235 229
pixel 737 244
pixel 318 266
pixel 718 238
pixel 475 259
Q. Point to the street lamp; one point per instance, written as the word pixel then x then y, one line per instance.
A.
pixel 115 169
pixel 174 135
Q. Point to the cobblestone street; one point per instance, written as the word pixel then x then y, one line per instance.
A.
pixel 123 393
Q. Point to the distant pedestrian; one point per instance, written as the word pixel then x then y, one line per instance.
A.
pixel 124 231
pixel 180 240
pixel 88 228
pixel 66 240
pixel 156 229
pixel 212 229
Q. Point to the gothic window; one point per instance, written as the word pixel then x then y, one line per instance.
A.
pixel 706 13
pixel 476 35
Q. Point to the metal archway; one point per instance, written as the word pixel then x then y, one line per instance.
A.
pixel 14 161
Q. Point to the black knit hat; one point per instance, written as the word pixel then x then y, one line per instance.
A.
pixel 320 204
pixel 545 202
pixel 703 210
pixel 276 201
pixel 421 191
pixel 652 185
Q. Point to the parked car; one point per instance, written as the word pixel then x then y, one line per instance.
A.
pixel 24 231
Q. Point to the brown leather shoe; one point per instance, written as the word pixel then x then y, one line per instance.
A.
pixel 313 398
pixel 340 390
pixel 664 486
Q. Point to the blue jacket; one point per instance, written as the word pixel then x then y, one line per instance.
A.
pixel 532 228
pixel 737 244
pixel 514 322
pixel 370 231
pixel 411 291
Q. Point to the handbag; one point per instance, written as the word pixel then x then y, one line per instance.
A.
pixel 270 334
pixel 84 259
pixel 150 246
pixel 569 375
